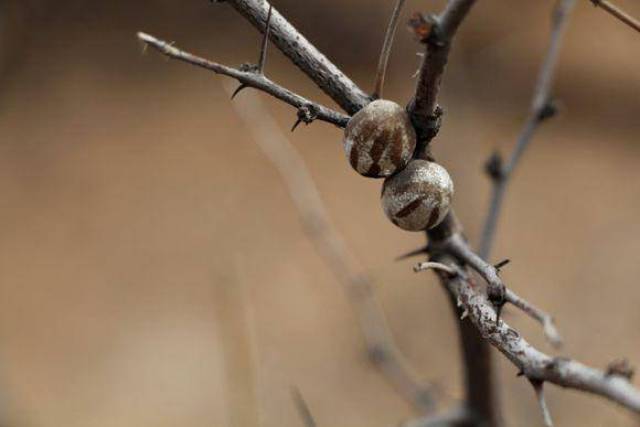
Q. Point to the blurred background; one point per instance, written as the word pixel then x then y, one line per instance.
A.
pixel 154 272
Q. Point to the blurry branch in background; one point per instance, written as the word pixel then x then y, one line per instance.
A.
pixel 331 247
pixel 303 408
pixel 249 76
pixel 618 13
pixel 542 108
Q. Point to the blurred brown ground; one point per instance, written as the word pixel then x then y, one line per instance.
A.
pixel 153 271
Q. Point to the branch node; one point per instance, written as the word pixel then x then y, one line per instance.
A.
pixel 620 368
pixel 494 167
pixel 306 114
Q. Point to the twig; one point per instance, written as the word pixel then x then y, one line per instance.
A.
pixel 248 78
pixel 329 78
pixel 302 408
pixel 542 108
pixel 620 14
pixel 546 320
pixel 424 266
pixel 386 49
pixel 531 362
pixel 423 108
pixel 538 388
pixel 333 250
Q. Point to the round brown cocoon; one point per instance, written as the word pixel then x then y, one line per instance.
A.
pixel 419 197
pixel 379 139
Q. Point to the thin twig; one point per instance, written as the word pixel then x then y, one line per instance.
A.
pixel 329 78
pixel 618 13
pixel 386 49
pixel 331 247
pixel 424 266
pixel 265 43
pixel 538 388
pixel 247 78
pixel 541 109
pixel 551 333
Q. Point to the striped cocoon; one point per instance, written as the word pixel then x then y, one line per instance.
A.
pixel 379 140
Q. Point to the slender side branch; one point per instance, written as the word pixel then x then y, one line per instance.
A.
pixel 542 108
pixel 424 110
pixel 618 13
pixel 248 78
pixel 531 362
pixel 331 247
pixel 386 49
pixel 304 55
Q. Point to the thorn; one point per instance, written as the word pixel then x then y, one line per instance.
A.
pixel 238 90
pixel 265 42
pixel 307 114
pixel 416 252
pixel 464 314
pixel 520 373
pixel 303 408
pixel 458 302
pixel 501 264
pixel 296 124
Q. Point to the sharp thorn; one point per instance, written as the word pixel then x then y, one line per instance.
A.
pixel 416 252
pixel 238 90
pixel 296 124
pixel 501 264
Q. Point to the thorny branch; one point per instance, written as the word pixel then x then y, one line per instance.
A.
pixel 618 13
pixel 331 247
pixel 531 362
pixel 329 78
pixel 484 325
pixel 542 108
pixel 247 76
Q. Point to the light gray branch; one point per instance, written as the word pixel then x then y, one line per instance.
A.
pixel 303 54
pixel 248 78
pixel 333 250
pixel 542 108
pixel 530 361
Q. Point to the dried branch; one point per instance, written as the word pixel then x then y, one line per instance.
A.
pixel 424 110
pixel 531 362
pixel 331 247
pixel 618 13
pixel 386 49
pixel 247 76
pixel 542 108
pixel 303 54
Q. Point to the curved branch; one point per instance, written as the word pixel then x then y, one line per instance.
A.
pixel 304 55
pixel 530 361
pixel 248 78
pixel 542 108
pixel 334 251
